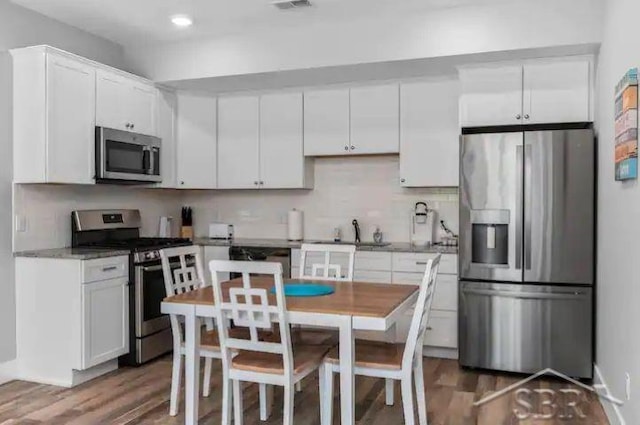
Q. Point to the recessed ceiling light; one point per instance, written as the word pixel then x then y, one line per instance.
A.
pixel 181 21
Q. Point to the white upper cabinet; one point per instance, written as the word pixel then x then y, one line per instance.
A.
pixel 534 92
pixel 167 124
pixel 557 92
pixel 238 150
pixel 429 134
pixel 282 161
pixel 375 120
pixel 125 103
pixel 326 122
pixel 54 117
pixel 196 142
pixel 491 96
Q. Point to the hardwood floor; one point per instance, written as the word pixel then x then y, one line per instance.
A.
pixel 141 396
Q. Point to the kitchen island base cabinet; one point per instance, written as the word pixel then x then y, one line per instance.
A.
pixel 72 318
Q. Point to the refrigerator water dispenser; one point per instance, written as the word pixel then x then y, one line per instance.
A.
pixel 490 237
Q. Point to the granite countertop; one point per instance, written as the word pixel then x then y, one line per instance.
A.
pixel 283 243
pixel 72 253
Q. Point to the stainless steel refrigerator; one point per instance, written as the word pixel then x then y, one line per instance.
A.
pixel 526 262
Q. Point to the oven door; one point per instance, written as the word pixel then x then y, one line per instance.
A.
pixel 125 156
pixel 149 293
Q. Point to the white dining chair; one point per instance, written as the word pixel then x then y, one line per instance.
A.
pixel 327 270
pixel 392 361
pixel 275 362
pixel 183 272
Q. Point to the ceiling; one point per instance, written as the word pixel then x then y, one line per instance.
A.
pixel 134 22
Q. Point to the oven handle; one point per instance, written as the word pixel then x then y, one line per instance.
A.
pixel 157 268
pixel 146 160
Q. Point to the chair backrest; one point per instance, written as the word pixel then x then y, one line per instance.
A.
pixel 415 339
pixel 327 270
pixel 252 306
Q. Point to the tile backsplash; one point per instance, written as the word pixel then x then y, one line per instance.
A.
pixel 364 188
pixel 47 210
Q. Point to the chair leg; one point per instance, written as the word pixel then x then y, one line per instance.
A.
pixel 237 402
pixel 326 394
pixel 287 414
pixel 227 400
pixel 206 382
pixel 407 399
pixel 266 401
pixel 176 374
pixel 420 395
pixel 388 391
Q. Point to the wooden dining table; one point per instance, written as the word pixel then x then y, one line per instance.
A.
pixel 352 306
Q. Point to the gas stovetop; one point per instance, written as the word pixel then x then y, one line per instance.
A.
pixel 143 249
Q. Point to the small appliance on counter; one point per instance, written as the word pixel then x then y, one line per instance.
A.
pixel 186 230
pixel 221 231
pixel 296 225
pixel 164 227
pixel 422 224
pixel 447 236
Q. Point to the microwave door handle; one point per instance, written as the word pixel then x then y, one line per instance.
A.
pixel 146 159
pixel 152 161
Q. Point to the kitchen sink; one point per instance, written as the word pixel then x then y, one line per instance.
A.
pixel 367 244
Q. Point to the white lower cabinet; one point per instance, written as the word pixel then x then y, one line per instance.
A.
pixel 105 324
pixel 72 318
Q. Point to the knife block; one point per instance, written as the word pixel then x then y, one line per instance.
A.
pixel 186 232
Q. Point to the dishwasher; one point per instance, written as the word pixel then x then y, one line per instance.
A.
pixel 272 255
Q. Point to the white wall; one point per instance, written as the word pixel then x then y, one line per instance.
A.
pixel 618 350
pixel 466 30
pixel 365 188
pixel 18 28
pixel 47 210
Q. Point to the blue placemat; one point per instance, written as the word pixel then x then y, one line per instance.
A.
pixel 305 290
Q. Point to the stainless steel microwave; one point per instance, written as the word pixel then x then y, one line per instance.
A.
pixel 125 157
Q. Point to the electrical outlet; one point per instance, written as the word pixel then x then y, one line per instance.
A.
pixel 21 223
pixel 628 385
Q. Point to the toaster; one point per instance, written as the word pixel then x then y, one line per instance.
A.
pixel 220 231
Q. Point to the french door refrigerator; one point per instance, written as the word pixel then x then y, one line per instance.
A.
pixel 526 261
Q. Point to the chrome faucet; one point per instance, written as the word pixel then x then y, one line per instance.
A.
pixel 356 228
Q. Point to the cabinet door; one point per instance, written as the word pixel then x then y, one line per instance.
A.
pixel 326 122
pixel 71 121
pixel 557 92
pixel 196 142
pixel 429 134
pixel 105 321
pixel 141 104
pixel 491 96
pixel 282 162
pixel 238 149
pixel 215 253
pixel 111 95
pixel 167 117
pixel 375 120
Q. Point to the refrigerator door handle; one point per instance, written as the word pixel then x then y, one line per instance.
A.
pixel 526 295
pixel 519 206
pixel 527 201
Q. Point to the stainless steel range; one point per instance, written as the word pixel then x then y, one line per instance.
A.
pixel 150 330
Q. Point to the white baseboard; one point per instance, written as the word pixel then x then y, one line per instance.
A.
pixel 8 371
pixel 611 410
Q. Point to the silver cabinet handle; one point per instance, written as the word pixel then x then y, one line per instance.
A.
pixel 518 116
pixel 526 116
pixel 182 183
pixel 109 269
pixel 402 180
pixel 429 328
pixel 346 148
pixel 353 147
pixel 255 182
pixel 132 125
pixel 421 263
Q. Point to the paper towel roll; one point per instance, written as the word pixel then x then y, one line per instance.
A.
pixel 296 225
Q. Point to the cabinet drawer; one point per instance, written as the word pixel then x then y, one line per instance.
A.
pixel 442 329
pixel 446 296
pixel 367 260
pixel 105 268
pixel 416 262
pixel 372 276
